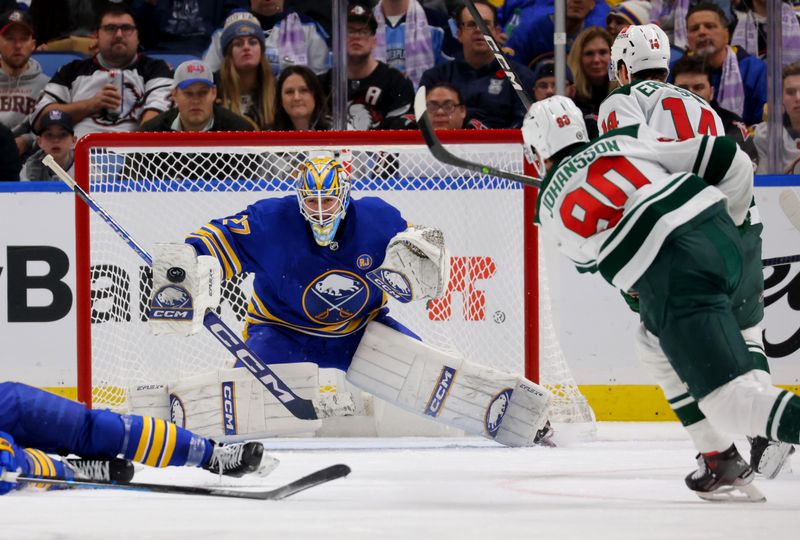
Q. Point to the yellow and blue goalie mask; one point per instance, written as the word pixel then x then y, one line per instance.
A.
pixel 323 191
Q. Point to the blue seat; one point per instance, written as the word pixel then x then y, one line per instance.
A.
pixel 52 61
pixel 173 60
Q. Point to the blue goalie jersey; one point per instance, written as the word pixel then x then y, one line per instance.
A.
pixel 304 294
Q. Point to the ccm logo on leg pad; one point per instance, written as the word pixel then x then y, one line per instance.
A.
pixel 440 391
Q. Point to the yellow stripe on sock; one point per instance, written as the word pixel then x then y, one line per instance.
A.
pixel 158 442
pixel 144 439
pixel 169 446
pixel 37 465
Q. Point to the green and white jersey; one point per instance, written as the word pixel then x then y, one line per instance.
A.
pixel 612 203
pixel 673 112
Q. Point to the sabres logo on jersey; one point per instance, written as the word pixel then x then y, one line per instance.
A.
pixel 335 296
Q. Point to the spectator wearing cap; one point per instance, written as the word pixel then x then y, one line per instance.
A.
pixel 181 26
pixel 194 94
pixel 739 79
pixel 21 77
pixel 378 96
pixel 488 95
pixel 55 137
pixel 533 38
pixel 117 89
pixel 292 38
pixel 446 108
pixel 544 80
pixel 412 38
pixel 245 83
pixel 693 74
pixel 627 13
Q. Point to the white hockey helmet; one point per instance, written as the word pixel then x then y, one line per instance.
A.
pixel 639 47
pixel 551 125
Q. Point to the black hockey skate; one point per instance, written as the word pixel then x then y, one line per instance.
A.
pixel 115 470
pixel 724 477
pixel 238 459
pixel 768 457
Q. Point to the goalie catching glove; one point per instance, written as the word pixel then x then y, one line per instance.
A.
pixel 416 266
pixel 185 285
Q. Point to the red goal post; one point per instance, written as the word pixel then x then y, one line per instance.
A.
pixel 142 179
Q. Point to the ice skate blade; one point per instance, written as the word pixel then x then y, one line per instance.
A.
pixel 747 494
pixel 268 464
pixel 774 460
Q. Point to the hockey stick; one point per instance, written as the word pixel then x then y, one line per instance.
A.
pixel 304 409
pixel 443 155
pixel 314 479
pixel 513 78
pixel 775 261
pixel 789 199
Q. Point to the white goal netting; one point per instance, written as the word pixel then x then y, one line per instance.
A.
pixel 161 189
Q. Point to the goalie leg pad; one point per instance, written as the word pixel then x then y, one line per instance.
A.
pixel 447 388
pixel 185 285
pixel 230 405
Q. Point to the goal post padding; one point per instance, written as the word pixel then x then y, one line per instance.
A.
pixel 161 187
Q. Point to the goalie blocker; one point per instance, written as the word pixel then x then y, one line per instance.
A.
pixel 448 389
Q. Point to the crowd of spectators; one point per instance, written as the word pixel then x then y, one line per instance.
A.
pixel 265 65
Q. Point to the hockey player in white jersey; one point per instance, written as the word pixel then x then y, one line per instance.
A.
pixel 660 218
pixel 640 64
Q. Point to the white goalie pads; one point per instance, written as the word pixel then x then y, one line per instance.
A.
pixel 448 389
pixel 230 404
pixel 184 287
pixel 416 266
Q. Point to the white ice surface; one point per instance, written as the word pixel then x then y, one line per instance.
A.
pixel 628 484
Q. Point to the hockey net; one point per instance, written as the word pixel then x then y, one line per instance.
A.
pixel 160 187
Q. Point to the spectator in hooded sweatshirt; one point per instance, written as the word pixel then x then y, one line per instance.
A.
pixel 21 77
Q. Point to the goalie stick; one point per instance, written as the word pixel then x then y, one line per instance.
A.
pixel 314 479
pixel 304 409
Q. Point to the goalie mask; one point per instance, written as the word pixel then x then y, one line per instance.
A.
pixel 323 191
pixel 551 125
pixel 639 48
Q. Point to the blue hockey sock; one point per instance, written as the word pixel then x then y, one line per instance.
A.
pixel 159 443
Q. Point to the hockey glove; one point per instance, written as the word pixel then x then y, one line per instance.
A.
pixel 184 287
pixel 416 266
